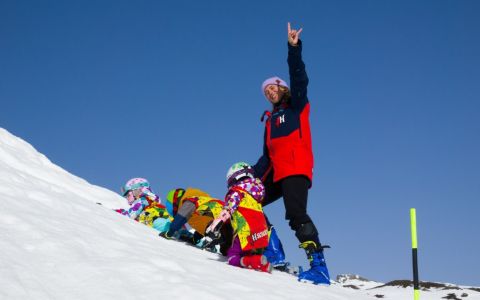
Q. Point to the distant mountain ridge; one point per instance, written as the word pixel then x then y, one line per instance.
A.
pixel 450 291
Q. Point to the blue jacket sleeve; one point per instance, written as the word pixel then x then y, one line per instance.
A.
pixel 262 167
pixel 298 76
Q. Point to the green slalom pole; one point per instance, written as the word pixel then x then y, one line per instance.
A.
pixel 413 224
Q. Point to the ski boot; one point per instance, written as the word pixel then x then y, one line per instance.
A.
pixel 274 251
pixel 257 262
pixel 318 272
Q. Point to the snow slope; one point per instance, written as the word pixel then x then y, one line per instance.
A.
pixel 57 243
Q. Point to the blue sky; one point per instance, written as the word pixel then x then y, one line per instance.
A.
pixel 170 91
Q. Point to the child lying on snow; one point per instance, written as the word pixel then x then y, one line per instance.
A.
pixel 244 210
pixel 197 209
pixel 145 205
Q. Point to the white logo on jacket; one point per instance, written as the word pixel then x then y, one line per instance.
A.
pixel 280 120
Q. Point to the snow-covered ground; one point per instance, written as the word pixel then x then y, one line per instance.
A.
pixel 56 242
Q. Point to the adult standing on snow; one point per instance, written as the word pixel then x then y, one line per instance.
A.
pixel 287 161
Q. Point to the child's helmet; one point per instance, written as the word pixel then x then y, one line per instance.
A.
pixel 134 184
pixel 238 171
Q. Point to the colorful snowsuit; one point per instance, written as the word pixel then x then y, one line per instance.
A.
pixel 148 210
pixel 197 208
pixel 243 203
pixel 205 210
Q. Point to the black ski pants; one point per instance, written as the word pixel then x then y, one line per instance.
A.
pixel 294 190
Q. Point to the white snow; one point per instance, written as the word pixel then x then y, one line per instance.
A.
pixel 57 243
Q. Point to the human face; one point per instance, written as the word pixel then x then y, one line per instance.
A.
pixel 273 93
pixel 130 197
pixel 133 195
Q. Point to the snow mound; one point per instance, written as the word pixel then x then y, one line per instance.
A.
pixel 28 174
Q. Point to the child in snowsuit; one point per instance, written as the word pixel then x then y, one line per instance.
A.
pixel 244 210
pixel 286 166
pixel 145 205
pixel 197 209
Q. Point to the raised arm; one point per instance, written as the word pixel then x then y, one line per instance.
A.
pixel 296 67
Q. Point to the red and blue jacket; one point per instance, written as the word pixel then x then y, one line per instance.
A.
pixel 287 146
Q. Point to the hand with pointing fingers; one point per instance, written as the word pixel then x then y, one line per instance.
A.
pixel 293 35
